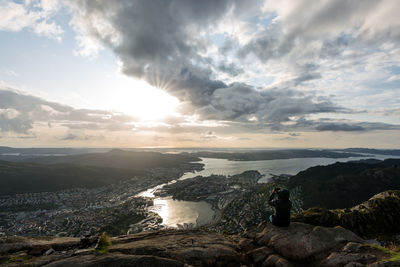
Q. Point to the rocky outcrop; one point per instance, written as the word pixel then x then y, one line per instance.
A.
pixel 379 215
pixel 345 184
pixel 32 244
pixel 303 242
pixel 266 245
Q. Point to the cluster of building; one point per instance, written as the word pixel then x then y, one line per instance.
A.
pixel 239 201
pixel 250 208
pixel 80 211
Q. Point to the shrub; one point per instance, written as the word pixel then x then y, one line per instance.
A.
pixel 103 243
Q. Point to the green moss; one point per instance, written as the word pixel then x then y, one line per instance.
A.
pixel 15 258
pixel 103 244
pixel 394 256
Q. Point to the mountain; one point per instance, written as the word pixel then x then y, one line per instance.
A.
pixel 274 154
pixel 343 185
pixel 117 158
pixel 16 177
pixel 391 152
pixel 51 173
pixel 48 150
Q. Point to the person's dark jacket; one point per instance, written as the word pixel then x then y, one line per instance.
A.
pixel 282 208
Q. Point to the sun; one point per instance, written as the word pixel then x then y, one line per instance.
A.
pixel 144 101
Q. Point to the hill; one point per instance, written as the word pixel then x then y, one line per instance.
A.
pixel 16 177
pixel 52 173
pixel 391 152
pixel 47 150
pixel 343 185
pixel 117 158
pixel 275 154
pixel 379 216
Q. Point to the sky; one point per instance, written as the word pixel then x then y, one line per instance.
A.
pixel 189 73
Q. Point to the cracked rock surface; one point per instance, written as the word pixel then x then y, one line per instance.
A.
pixel 299 244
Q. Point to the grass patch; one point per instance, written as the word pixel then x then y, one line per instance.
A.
pixel 394 255
pixel 103 244
pixel 14 258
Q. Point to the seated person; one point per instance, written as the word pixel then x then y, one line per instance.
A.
pixel 282 206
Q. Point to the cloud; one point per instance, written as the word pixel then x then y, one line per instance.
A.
pixel 230 69
pixel 157 41
pixel 243 102
pixel 11 73
pixel 340 127
pixel 367 20
pixel 35 16
pixel 81 137
pixel 210 135
pixel 354 126
pixel 20 111
pixel 387 112
pixel 50 30
pixel 14 17
pixel 236 66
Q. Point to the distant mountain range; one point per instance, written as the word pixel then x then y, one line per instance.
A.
pixel 115 158
pixel 48 151
pixel 275 154
pixel 391 152
pixel 15 154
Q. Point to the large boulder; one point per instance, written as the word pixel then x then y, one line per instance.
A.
pixel 276 261
pixel 304 242
pixel 37 244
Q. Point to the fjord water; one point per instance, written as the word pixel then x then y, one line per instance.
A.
pixel 176 212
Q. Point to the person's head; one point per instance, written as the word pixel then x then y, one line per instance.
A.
pixel 283 194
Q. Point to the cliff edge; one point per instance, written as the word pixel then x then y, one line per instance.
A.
pixel 298 245
pixel 380 215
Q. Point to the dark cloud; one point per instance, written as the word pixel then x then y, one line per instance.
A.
pixel 163 42
pixel 157 42
pixel 241 102
pixel 81 137
pixel 230 69
pixel 210 136
pixel 287 138
pixel 354 126
pixel 268 44
pixel 335 127
pixel 70 137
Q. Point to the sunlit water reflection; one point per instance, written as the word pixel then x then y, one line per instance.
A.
pixel 176 212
